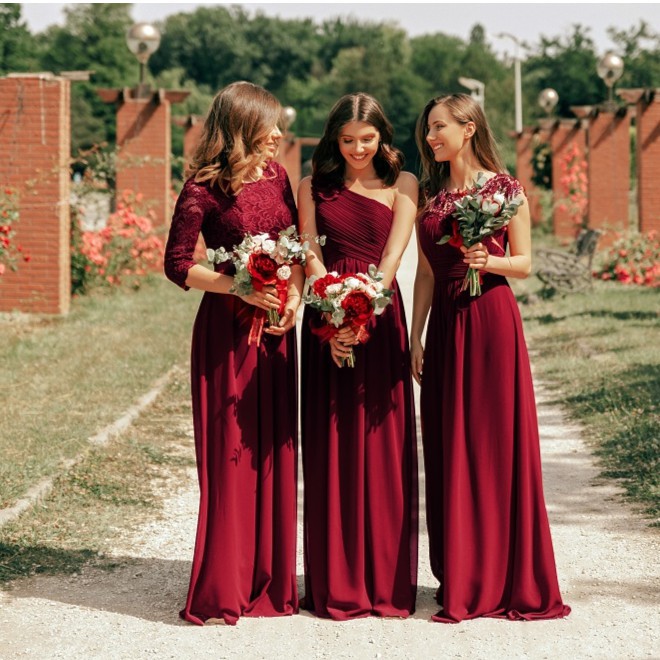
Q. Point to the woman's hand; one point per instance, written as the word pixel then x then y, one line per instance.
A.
pixel 338 350
pixel 265 299
pixel 475 256
pixel 416 360
pixel 288 318
pixel 346 335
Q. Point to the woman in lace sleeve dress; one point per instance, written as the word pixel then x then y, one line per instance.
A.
pixel 488 528
pixel 244 395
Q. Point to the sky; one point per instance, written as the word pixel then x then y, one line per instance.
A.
pixel 526 21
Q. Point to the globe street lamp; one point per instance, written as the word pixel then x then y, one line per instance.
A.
pixel 477 89
pixel 610 69
pixel 143 40
pixel 548 99
pixel 289 115
pixel 517 78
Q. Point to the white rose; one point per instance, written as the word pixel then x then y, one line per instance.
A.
pixel 284 272
pixel 333 289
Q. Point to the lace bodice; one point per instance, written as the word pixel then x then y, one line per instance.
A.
pixel 265 206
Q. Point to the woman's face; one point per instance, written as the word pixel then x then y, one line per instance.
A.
pixel 358 143
pixel 446 136
pixel 272 143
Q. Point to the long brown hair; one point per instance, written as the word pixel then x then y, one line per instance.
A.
pixel 328 165
pixel 239 121
pixel 463 108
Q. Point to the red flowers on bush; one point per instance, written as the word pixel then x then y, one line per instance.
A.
pixel 9 214
pixel 127 247
pixel 633 259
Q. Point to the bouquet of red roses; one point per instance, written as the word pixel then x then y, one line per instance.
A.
pixel 259 262
pixel 476 217
pixel 349 299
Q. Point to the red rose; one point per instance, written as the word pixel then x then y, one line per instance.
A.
pixel 323 283
pixel 456 239
pixel 262 268
pixel 357 306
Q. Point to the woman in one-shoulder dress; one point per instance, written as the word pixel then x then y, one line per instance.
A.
pixel 358 427
pixel 489 535
pixel 244 395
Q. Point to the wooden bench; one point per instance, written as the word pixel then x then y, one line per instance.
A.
pixel 568 271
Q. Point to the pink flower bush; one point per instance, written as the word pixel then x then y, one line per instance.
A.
pixel 127 248
pixel 573 184
pixel 633 259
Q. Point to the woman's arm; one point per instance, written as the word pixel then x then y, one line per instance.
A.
pixel 422 298
pixel 403 221
pixel 307 226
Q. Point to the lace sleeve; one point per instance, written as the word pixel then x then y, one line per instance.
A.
pixel 184 231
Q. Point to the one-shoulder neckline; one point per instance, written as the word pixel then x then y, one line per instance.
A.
pixel 371 199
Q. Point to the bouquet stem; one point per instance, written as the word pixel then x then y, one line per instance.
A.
pixel 273 317
pixel 349 361
pixel 472 281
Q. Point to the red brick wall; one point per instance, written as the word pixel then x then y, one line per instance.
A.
pixel 35 143
pixel 524 172
pixel 609 173
pixel 648 164
pixel 191 137
pixel 144 153
pixel 565 135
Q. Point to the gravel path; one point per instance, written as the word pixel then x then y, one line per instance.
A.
pixel 607 560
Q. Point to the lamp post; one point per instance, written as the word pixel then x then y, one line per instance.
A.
pixel 289 115
pixel 548 99
pixel 610 69
pixel 143 40
pixel 477 89
pixel 517 78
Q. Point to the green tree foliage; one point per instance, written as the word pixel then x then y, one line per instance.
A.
pixel 639 46
pixel 17 46
pixel 93 38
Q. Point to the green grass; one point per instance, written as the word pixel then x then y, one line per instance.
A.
pixel 113 489
pixel 65 378
pixel 598 351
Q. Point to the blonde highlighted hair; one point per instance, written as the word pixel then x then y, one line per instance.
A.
pixel 231 147
pixel 463 108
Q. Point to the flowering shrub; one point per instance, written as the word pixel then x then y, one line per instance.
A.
pixel 542 165
pixel 124 250
pixel 573 183
pixel 9 251
pixel 633 259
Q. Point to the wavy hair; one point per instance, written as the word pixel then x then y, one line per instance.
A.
pixel 238 124
pixel 329 166
pixel 463 108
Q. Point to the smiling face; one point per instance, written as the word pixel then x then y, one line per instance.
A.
pixel 272 143
pixel 446 136
pixel 358 144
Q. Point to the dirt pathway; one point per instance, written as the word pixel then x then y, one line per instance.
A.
pixel 607 561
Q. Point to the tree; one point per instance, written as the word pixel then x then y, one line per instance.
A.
pixel 17 45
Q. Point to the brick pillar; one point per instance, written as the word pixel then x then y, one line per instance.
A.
pixel 524 171
pixel 35 143
pixel 144 142
pixel 567 137
pixel 648 161
pixel 609 171
pixel 193 132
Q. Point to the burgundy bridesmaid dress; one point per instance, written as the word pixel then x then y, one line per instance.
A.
pixel 489 535
pixel 358 440
pixel 245 417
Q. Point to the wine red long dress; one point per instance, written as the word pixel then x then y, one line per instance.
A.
pixel 245 416
pixel 489 535
pixel 358 440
